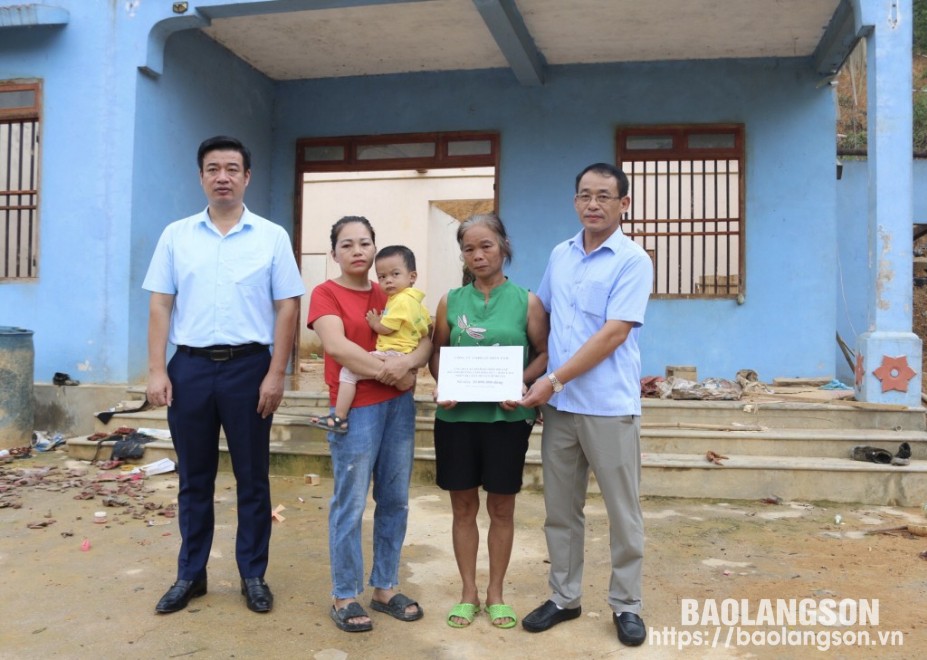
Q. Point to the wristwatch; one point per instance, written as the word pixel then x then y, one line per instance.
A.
pixel 557 385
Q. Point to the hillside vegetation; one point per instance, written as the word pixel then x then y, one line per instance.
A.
pixel 851 93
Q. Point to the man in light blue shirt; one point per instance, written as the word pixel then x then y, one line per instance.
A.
pixel 595 289
pixel 224 287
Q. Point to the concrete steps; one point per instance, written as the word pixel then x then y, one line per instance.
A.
pixel 813 478
pixel 796 450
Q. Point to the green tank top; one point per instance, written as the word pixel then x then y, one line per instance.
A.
pixel 500 321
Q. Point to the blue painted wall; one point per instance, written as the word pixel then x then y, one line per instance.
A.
pixel 77 306
pixel 853 273
pixel 785 326
pixel 118 164
pixel 203 91
pixel 852 258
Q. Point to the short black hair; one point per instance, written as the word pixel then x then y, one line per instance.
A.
pixel 408 257
pixel 223 143
pixel 607 169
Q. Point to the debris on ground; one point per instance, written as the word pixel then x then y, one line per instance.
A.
pixel 902 530
pixel 750 382
pixel 650 386
pixel 119 489
pixel 161 466
pixel 123 407
pixel 61 379
pixel 39 524
pixel 701 426
pixel 714 457
pixel 17 452
pixel 882 456
pixel 46 440
pixel 835 385
pixel 128 443
pixel 710 389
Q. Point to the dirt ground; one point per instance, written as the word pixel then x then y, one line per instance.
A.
pixel 76 589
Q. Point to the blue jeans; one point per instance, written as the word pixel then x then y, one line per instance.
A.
pixel 379 445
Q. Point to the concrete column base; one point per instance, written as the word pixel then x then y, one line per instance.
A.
pixel 888 368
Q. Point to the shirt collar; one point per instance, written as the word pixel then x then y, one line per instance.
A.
pixel 414 293
pixel 246 220
pixel 612 243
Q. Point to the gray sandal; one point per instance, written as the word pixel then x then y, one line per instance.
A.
pixel 331 423
pixel 350 611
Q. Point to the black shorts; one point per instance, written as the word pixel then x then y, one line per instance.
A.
pixel 487 454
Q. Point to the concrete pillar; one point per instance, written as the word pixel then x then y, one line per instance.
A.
pixel 888 363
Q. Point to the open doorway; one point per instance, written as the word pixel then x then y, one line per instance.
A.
pixel 414 189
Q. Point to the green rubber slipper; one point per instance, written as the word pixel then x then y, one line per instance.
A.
pixel 466 611
pixel 501 611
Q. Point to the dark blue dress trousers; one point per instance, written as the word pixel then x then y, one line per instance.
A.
pixel 206 395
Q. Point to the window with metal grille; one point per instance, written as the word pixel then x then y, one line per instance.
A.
pixel 19 168
pixel 687 206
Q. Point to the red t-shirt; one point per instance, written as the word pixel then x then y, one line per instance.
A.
pixel 351 306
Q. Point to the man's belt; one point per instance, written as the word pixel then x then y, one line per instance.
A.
pixel 225 352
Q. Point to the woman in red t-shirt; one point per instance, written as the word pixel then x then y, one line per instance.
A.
pixel 379 442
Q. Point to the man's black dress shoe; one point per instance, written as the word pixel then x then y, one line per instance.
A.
pixel 631 630
pixel 547 616
pixel 257 593
pixel 180 594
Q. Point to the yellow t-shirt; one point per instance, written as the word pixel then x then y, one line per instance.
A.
pixel 409 320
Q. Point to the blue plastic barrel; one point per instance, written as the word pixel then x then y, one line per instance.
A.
pixel 17 400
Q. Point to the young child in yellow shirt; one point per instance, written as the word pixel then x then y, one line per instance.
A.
pixel 400 327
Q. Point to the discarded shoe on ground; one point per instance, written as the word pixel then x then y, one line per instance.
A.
pixel 63 379
pixel 872 455
pixel 903 457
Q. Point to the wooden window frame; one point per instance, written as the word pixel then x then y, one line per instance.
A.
pixel 19 234
pixel 686 248
pixel 352 162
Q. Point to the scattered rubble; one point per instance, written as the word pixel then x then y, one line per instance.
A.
pixel 123 489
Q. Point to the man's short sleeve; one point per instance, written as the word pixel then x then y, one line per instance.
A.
pixel 286 281
pixel 160 275
pixel 628 298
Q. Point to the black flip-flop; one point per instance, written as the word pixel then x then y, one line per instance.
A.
pixel 396 608
pixel 350 611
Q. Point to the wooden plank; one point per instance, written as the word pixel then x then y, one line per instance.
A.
pixel 865 405
pixel 801 382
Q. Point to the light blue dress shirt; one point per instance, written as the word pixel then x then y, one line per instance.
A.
pixel 581 291
pixel 224 286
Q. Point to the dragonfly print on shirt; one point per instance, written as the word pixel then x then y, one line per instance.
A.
pixel 475 333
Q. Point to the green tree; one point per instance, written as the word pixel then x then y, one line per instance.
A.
pixel 920 27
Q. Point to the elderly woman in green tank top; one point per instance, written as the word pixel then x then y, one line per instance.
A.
pixel 484 444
